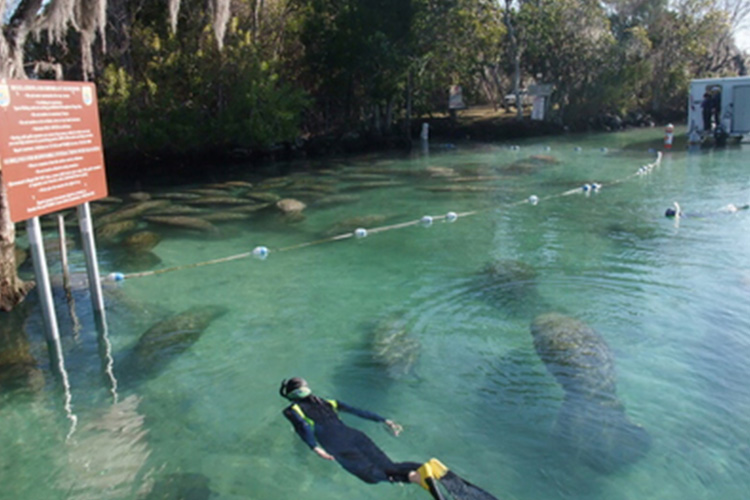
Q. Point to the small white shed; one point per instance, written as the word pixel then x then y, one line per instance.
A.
pixel 731 94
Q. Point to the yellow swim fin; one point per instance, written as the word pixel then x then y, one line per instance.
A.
pixel 432 469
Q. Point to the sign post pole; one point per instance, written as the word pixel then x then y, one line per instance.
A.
pixel 92 264
pixel 36 243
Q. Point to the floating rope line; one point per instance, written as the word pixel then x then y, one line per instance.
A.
pixel 262 252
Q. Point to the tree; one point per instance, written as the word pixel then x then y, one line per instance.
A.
pixel 56 20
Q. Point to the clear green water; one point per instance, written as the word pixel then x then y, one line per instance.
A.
pixel 671 299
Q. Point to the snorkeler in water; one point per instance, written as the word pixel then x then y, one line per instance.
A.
pixel 317 422
pixel 676 212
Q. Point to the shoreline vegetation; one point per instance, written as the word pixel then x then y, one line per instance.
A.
pixel 476 123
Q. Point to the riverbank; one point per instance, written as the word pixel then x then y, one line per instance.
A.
pixel 136 170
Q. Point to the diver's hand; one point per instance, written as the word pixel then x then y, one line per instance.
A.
pixel 323 453
pixel 394 427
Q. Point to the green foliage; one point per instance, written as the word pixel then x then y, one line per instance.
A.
pixel 183 95
pixel 339 65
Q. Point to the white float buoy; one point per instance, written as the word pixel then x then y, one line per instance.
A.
pixel 426 221
pixel 260 252
pixel 360 232
pixel 115 277
pixel 451 216
pixel 533 199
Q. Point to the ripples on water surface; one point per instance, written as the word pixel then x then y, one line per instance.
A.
pixel 669 298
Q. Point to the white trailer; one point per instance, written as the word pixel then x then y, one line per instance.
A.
pixel 733 97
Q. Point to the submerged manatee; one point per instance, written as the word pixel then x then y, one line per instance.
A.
pixel 510 285
pixel 169 338
pixel 393 346
pixel 592 421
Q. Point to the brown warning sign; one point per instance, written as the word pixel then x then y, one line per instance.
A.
pixel 50 146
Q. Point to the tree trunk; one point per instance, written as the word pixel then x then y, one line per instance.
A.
pixel 12 289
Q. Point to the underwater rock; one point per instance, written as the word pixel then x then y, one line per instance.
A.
pixel 168 338
pixel 290 205
pixel 592 422
pixel 183 222
pixel 142 241
pixel 393 347
pixel 182 486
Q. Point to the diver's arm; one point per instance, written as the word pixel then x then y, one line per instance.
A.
pixel 303 430
pixel 368 415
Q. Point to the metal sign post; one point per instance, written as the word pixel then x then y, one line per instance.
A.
pixel 92 265
pixel 44 288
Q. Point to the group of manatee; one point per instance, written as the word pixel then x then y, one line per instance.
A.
pixel 592 420
pixel 592 423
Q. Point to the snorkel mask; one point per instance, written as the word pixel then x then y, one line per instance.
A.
pixel 294 388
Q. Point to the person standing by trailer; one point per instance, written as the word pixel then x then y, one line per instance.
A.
pixel 716 106
pixel 707 109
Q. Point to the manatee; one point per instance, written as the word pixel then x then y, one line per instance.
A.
pixel 131 212
pixel 184 222
pixel 393 346
pixel 168 338
pixel 337 199
pixel 140 196
pixel 510 285
pixel 529 165
pixel 592 422
pixel 249 209
pixel 142 241
pixel 109 233
pixel 458 188
pixel 440 172
pixel 217 200
pixel 132 262
pixel 263 196
pixel 373 185
pixel 226 216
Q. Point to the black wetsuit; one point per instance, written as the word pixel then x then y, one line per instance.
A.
pixel 316 421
